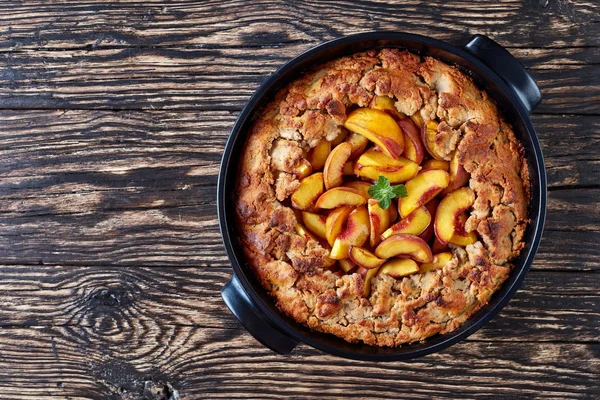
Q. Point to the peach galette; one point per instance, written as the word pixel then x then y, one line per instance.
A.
pixel 381 198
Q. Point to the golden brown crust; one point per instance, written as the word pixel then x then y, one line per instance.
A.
pixel 398 310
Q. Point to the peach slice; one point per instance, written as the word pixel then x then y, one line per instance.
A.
pixel 368 275
pixel 393 210
pixel 348 168
pixel 399 267
pixel 303 169
pixel 362 186
pixel 334 165
pixel 463 240
pixel 380 221
pixel 310 189
pixel 316 223
pixel 359 144
pixel 365 258
pixel 439 261
pixel 413 144
pixel 318 154
pixel 438 247
pixel 432 163
pixel 335 222
pixel 346 264
pixel 448 213
pixel 428 133
pixel 458 175
pixel 302 231
pixel 373 164
pixel 340 196
pixel 386 104
pixel 340 138
pixel 431 207
pixel 379 128
pixel 462 237
pixel 405 246
pixel 418 120
pixel 414 223
pixel 422 188
pixel 355 233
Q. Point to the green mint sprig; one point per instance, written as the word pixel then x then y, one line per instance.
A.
pixel 384 192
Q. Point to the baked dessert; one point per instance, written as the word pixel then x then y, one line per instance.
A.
pixel 324 159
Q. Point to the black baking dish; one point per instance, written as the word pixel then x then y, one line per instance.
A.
pixel 494 70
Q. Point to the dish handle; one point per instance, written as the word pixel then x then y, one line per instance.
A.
pixel 508 68
pixel 254 320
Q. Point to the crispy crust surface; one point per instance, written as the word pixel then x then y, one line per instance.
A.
pixel 398 310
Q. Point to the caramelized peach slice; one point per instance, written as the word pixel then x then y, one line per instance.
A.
pixel 393 208
pixel 413 144
pixel 361 186
pixel 348 168
pixel 316 223
pixel 318 154
pixel 358 142
pixel 463 240
pixel 422 188
pixel 458 175
pixel 340 138
pixel 380 221
pixel 462 237
pixel 405 246
pixel 335 222
pixel 365 258
pixel 368 275
pixel 399 267
pixel 379 128
pixel 346 264
pixel 439 261
pixel 438 247
pixel 373 164
pixel 310 189
pixel 414 223
pixel 428 133
pixel 431 207
pixel 302 231
pixel 340 196
pixel 448 213
pixel 334 165
pixel 386 104
pixel 418 120
pixel 432 163
pixel 303 169
pixel 355 233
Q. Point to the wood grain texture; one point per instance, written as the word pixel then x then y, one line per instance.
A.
pixel 552 306
pixel 113 119
pixel 89 362
pixel 102 187
pixel 208 79
pixel 62 24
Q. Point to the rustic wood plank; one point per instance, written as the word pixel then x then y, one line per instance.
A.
pixel 552 306
pixel 59 25
pixel 189 235
pixel 207 79
pixel 90 362
pixel 83 161
pixel 138 188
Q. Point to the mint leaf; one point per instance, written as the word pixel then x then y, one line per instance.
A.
pixel 384 192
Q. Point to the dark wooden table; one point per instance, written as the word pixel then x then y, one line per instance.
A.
pixel 112 123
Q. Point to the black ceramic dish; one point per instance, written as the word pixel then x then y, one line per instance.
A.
pixel 495 71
